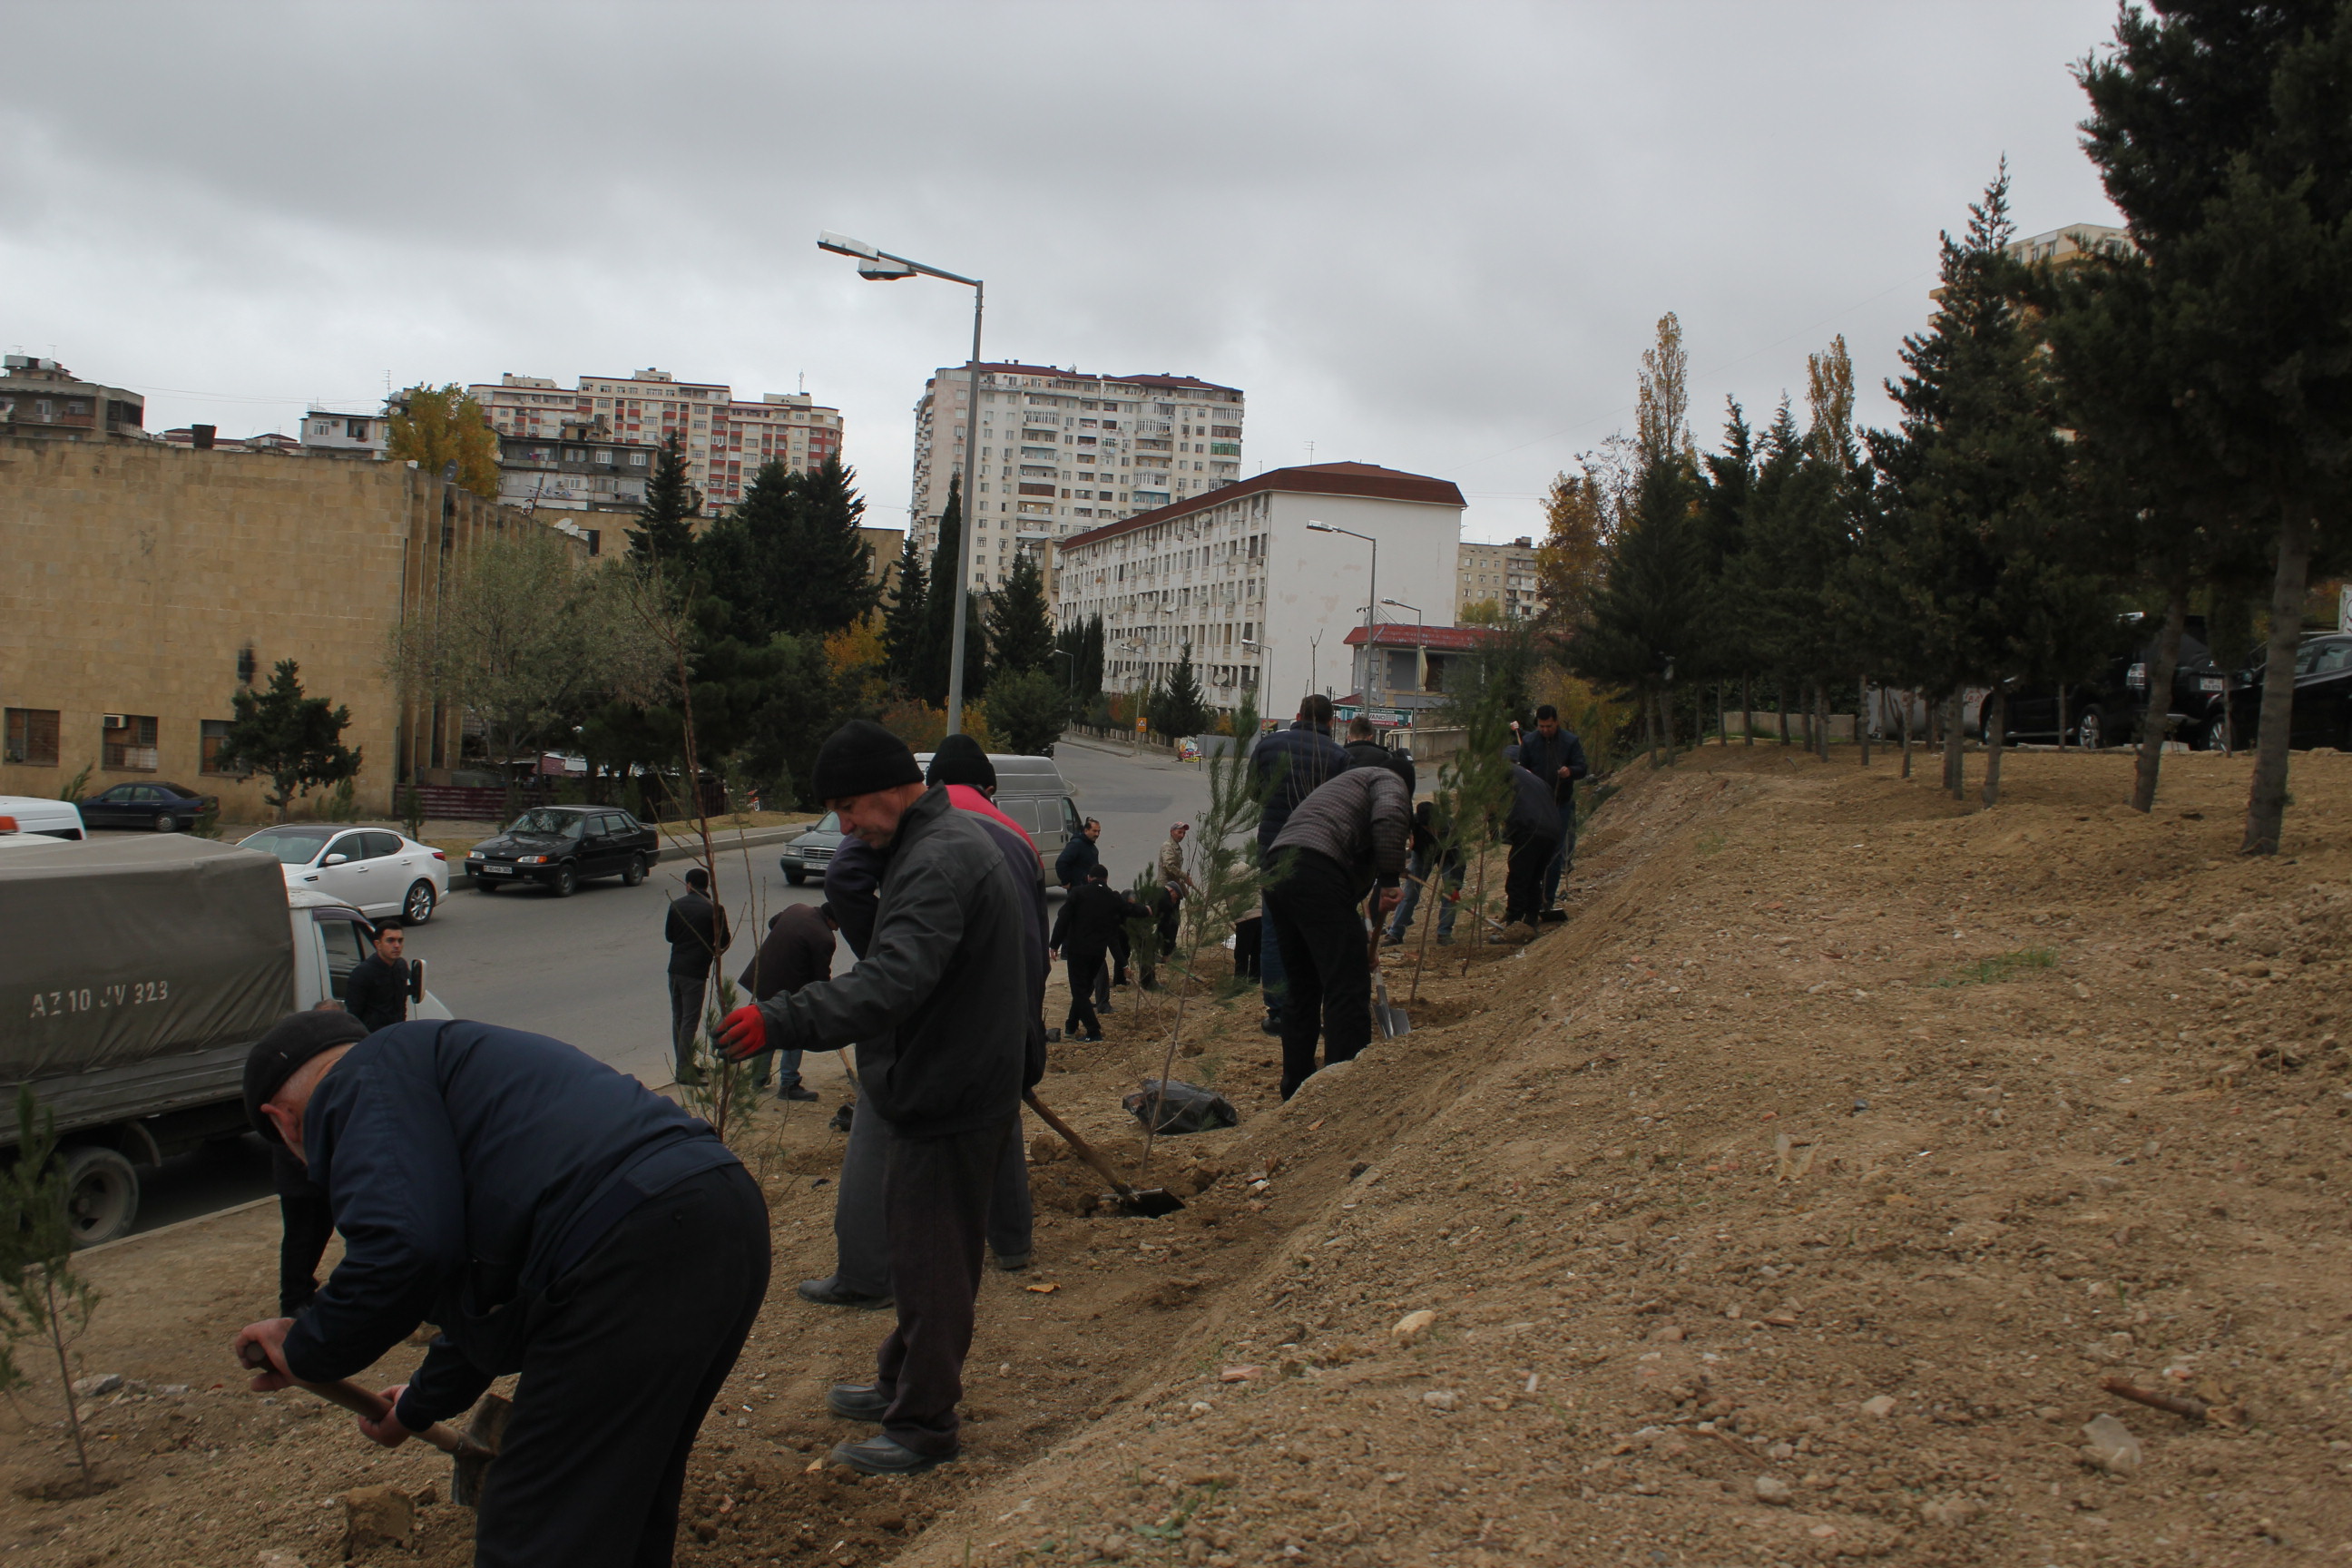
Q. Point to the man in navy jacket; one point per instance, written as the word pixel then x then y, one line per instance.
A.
pixel 555 1218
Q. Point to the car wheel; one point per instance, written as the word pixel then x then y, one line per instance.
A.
pixel 165 822
pixel 2090 731
pixel 417 908
pixel 796 878
pixel 567 880
pixel 102 1195
pixel 634 874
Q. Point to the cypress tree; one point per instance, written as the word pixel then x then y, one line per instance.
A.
pixel 938 612
pixel 902 623
pixel 1020 631
pixel 665 531
pixel 833 569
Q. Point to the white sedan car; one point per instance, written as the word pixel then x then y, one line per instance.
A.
pixel 373 870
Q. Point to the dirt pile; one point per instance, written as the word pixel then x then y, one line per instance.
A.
pixel 1789 1204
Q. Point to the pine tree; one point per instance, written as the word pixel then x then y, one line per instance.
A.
pixel 664 533
pixel 294 739
pixel 1182 710
pixel 749 557
pixel 1650 618
pixel 1020 630
pixel 902 622
pixel 835 566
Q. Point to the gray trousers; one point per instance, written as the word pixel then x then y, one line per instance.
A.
pixel 686 992
pixel 861 1233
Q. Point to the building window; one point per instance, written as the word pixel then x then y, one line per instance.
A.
pixel 127 743
pixel 30 737
pixel 215 733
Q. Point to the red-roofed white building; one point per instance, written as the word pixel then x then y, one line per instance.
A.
pixel 1266 599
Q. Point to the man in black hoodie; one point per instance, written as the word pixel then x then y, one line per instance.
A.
pixel 1082 934
pixel 942 1012
pixel 696 930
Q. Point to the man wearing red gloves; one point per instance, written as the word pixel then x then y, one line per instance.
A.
pixel 939 1009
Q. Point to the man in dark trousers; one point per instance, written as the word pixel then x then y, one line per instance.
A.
pixel 942 1010
pixel 376 990
pixel 1082 935
pixel 798 949
pixel 1532 830
pixel 1343 840
pixel 1287 767
pixel 555 1218
pixel 696 930
pixel 1554 755
pixel 1364 751
pixel 1437 868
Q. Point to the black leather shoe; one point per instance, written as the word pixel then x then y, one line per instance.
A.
pixel 880 1456
pixel 827 1292
pixel 1011 1262
pixel 856 1400
pixel 801 1094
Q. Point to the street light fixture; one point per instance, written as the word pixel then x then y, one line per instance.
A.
pixel 880 266
pixel 1371 663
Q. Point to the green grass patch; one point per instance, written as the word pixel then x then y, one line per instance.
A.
pixel 2002 966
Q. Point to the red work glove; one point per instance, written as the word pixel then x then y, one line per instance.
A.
pixel 743 1034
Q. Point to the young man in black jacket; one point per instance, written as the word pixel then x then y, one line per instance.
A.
pixel 696 930
pixel 1555 755
pixel 1082 934
pixel 943 1015
pixel 376 990
pixel 553 1218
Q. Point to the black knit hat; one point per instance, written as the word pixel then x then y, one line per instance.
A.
pixel 280 1053
pixel 860 758
pixel 960 761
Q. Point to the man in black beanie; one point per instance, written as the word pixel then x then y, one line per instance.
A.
pixel 555 1218
pixel 942 1010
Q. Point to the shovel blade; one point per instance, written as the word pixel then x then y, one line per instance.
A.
pixel 484 1432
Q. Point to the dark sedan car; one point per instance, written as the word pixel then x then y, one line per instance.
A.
pixel 158 807
pixel 560 846
pixel 2322 714
pixel 2109 709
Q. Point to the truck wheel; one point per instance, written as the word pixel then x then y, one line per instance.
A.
pixel 102 1195
pixel 417 908
pixel 634 874
pixel 567 880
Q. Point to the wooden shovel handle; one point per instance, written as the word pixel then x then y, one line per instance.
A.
pixel 1084 1150
pixel 360 1401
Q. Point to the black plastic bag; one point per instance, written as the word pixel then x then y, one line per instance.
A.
pixel 1182 1107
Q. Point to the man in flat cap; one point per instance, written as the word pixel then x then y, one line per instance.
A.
pixel 555 1218
pixel 943 1008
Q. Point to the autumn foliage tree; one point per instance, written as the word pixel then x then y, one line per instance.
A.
pixel 433 426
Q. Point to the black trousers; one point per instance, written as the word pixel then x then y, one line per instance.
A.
pixel 1086 976
pixel 309 1223
pixel 686 1013
pixel 1119 955
pixel 935 1195
pixel 1311 903
pixel 626 1351
pixel 1523 883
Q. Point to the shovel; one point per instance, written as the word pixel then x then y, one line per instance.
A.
pixel 471 1450
pixel 1391 1018
pixel 1145 1203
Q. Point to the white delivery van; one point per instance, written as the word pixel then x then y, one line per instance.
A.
pixel 1032 792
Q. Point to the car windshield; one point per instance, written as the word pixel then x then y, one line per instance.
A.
pixel 563 822
pixel 291 845
pixel 829 822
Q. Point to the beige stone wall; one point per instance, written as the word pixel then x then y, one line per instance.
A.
pixel 131 577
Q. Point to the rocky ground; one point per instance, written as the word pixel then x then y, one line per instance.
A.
pixel 1791 1203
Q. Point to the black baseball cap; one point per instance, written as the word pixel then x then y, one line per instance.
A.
pixel 280 1053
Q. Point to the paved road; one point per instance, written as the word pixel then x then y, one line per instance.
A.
pixel 589 969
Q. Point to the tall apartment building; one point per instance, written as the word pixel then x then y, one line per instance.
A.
pixel 1264 598
pixel 1503 573
pixel 1063 452
pixel 725 439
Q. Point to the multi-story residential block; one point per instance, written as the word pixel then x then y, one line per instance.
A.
pixel 2066 245
pixel 1504 573
pixel 1264 598
pixel 1062 453
pixel 328 433
pixel 42 399
pixel 581 469
pixel 724 440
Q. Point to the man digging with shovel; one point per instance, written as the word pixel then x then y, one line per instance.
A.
pixel 555 1218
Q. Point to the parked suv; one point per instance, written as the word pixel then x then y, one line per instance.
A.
pixel 2109 709
pixel 560 846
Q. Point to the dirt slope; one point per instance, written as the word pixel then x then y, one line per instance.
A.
pixel 2063 1100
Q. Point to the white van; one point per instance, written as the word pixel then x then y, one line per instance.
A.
pixel 31 813
pixel 1032 792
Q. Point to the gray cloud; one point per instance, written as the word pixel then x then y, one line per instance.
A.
pixel 1431 237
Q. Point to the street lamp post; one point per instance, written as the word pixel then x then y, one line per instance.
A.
pixel 1420 643
pixel 1371 598
pixel 881 267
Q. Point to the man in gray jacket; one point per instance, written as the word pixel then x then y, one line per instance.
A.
pixel 1340 842
pixel 940 1009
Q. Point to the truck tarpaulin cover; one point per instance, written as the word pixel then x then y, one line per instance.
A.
pixel 115 952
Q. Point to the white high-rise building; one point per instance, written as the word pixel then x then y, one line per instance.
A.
pixel 1062 452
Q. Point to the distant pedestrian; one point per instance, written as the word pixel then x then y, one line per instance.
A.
pixel 1078 856
pixel 696 930
pixel 1554 755
pixel 376 990
pixel 1082 934
pixel 798 949
pixel 1175 883
pixel 1532 829
pixel 1364 751
pixel 1288 766
pixel 1344 840
pixel 1437 868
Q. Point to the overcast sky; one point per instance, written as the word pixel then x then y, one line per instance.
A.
pixel 1435 238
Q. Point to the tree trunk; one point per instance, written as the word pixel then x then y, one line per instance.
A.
pixel 1903 717
pixel 1821 712
pixel 1780 705
pixel 2266 799
pixel 1650 723
pixel 1746 709
pixel 1666 720
pixel 1996 731
pixel 1955 771
pixel 1862 719
pixel 2155 727
pixel 2061 715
